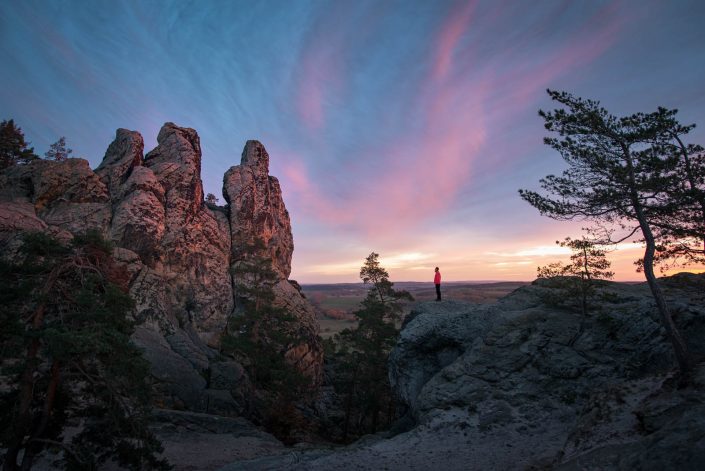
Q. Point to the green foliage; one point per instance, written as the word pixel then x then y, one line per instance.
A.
pixel 576 281
pixel 69 349
pixel 13 148
pixel 211 199
pixel 630 174
pixel 261 337
pixel 58 150
pixel 361 353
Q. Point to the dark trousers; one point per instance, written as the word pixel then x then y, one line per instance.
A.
pixel 438 292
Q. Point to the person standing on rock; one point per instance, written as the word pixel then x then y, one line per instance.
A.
pixel 437 282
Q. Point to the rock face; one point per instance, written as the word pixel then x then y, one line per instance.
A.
pixel 520 384
pixel 257 211
pixel 257 208
pixel 178 250
pixel 553 388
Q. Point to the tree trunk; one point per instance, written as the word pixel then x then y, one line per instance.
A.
pixel 679 346
pixel 23 418
pixel 677 342
pixel 33 447
pixel 348 404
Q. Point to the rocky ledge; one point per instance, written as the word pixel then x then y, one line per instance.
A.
pixel 520 384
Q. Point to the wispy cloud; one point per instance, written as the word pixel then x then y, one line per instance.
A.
pixel 403 127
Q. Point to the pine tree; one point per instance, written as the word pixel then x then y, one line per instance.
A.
pixel 578 279
pixel 68 347
pixel 13 148
pixel 260 336
pixel 58 150
pixel 211 199
pixel 618 175
pixel 363 353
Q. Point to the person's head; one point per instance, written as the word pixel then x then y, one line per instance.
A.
pixel 436 268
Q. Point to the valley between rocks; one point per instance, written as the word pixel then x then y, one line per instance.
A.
pixel 522 385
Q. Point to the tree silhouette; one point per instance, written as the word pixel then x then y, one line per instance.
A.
pixel 66 340
pixel 13 148
pixel 618 174
pixel 363 352
pixel 577 279
pixel 211 199
pixel 58 150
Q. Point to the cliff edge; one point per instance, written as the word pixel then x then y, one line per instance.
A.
pixel 522 384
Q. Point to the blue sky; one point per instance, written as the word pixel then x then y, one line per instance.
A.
pixel 403 127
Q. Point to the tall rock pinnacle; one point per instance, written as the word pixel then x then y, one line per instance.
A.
pixel 122 156
pixel 257 209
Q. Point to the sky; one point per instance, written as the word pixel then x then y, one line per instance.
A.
pixel 399 127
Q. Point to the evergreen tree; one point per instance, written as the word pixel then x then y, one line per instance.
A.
pixel 58 150
pixel 13 148
pixel 617 175
pixel 363 353
pixel 680 227
pixel 68 347
pixel 261 337
pixel 577 280
pixel 211 199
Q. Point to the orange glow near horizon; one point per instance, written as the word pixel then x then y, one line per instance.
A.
pixel 519 264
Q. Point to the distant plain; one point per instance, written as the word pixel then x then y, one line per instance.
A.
pixel 336 303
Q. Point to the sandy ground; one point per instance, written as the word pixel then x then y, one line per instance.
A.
pixel 208 451
pixel 437 446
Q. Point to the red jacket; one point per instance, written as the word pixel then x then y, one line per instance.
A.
pixel 437 278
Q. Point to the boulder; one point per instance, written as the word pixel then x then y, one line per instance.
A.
pixel 525 375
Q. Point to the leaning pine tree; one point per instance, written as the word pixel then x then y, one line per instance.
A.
pixel 620 173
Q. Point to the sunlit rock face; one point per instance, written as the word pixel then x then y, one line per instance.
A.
pixel 257 211
pixel 178 250
pixel 257 208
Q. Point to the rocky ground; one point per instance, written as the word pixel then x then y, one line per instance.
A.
pixel 517 384
pixel 522 385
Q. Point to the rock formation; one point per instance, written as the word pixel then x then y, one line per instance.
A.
pixel 178 250
pixel 257 211
pixel 520 384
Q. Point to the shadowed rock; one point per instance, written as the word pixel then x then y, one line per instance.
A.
pixel 178 252
pixel 257 211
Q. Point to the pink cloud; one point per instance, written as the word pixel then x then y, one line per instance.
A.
pixel 308 195
pixel 320 78
pixel 419 173
pixel 451 33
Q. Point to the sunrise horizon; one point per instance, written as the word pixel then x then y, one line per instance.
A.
pixel 404 128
